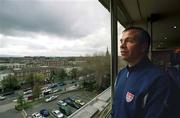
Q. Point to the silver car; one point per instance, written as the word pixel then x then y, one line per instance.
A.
pixel 57 113
pixel 37 115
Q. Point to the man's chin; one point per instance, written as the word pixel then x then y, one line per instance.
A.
pixel 124 57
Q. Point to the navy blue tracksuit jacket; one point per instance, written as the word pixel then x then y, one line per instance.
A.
pixel 140 91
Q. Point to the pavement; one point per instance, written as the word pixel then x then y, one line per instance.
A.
pixel 6 107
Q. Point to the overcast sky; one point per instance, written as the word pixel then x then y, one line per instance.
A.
pixel 53 27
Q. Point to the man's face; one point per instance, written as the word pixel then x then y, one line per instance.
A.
pixel 130 48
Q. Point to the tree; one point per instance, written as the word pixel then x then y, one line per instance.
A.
pixel 74 73
pixel 36 91
pixel 99 65
pixel 10 83
pixel 88 67
pixel 34 78
pixel 61 74
pixel 38 81
pixel 52 76
pixel 20 102
pixel 20 99
pixel 102 64
pixel 39 78
pixel 30 80
pixel 3 68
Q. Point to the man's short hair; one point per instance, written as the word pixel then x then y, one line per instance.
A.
pixel 144 36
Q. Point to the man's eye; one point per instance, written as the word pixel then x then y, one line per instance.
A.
pixel 130 40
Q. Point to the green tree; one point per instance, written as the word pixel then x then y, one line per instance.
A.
pixel 3 67
pixel 52 76
pixel 20 99
pixel 61 74
pixel 102 73
pixel 30 80
pixel 99 66
pixel 74 73
pixel 36 91
pixel 87 68
pixel 39 78
pixel 34 78
pixel 10 83
pixel 21 102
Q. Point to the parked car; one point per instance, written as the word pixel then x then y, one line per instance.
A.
pixel 78 101
pixel 15 100
pixel 27 92
pixel 37 115
pixel 73 81
pixel 68 101
pixel 30 97
pixel 47 91
pixel 2 98
pixel 50 98
pixel 60 102
pixel 44 112
pixel 44 88
pixel 53 86
pixel 8 93
pixel 57 113
pixel 57 90
pixel 61 84
pixel 71 103
pixel 65 110
pixel 72 98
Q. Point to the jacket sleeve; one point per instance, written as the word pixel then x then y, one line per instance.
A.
pixel 157 98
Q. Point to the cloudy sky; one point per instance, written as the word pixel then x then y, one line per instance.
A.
pixel 53 27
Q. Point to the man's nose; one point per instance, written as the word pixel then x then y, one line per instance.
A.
pixel 123 44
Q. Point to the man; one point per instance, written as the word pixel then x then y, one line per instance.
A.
pixel 141 88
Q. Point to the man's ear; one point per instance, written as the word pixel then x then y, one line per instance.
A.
pixel 145 47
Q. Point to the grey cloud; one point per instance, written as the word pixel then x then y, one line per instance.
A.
pixel 37 47
pixel 3 43
pixel 6 42
pixel 61 18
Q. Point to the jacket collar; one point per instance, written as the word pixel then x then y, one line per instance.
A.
pixel 140 65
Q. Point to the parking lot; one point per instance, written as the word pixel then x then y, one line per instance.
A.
pixel 81 94
pixel 67 90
